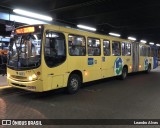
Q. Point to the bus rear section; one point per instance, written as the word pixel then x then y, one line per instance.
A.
pixel 154 54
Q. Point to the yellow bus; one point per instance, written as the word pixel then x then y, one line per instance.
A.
pixel 47 57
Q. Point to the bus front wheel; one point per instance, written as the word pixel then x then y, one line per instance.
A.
pixel 74 83
pixel 124 73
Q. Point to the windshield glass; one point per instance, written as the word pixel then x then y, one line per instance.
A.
pixel 24 51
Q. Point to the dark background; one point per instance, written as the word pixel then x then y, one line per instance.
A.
pixel 138 18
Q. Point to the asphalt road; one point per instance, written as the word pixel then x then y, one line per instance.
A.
pixel 137 97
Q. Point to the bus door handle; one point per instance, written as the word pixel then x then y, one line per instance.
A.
pixel 50 74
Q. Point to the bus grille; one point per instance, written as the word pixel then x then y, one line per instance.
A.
pixel 19 77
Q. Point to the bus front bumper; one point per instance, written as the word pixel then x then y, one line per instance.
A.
pixel 35 86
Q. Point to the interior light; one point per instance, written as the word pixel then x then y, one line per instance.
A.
pixel 143 41
pixel 158 45
pixel 114 34
pixel 151 43
pixel 25 20
pixel 86 27
pixel 31 14
pixel 140 66
pixel 131 38
pixel 35 37
pixel 70 36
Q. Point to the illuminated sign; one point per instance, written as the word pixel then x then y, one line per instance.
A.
pixel 25 30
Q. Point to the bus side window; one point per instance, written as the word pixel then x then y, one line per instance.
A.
pixel 76 45
pixel 106 48
pixel 55 49
pixel 142 50
pixel 94 47
pixel 126 49
pixel 116 48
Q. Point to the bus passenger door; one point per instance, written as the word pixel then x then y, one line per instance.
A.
pixel 107 60
pixel 92 64
pixel 55 66
pixel 135 56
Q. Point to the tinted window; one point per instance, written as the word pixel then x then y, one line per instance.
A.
pixel 106 48
pixel 116 49
pixel 76 45
pixel 126 49
pixel 144 51
pixel 94 47
pixel 55 50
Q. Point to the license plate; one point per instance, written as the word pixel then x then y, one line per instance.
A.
pixel 21 73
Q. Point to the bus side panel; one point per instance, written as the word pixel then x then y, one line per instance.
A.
pixel 141 63
pixel 108 66
pixel 92 67
pixel 127 60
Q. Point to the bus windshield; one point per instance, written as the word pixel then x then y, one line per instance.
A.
pixel 24 51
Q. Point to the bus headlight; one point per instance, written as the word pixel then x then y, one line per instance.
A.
pixel 8 75
pixel 33 77
pixel 30 78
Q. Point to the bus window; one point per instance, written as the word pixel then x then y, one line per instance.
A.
pixel 94 47
pixel 142 50
pixel 55 50
pixel 76 45
pixel 126 49
pixel 106 48
pixel 146 51
pixel 149 51
pixel 154 52
pixel 116 49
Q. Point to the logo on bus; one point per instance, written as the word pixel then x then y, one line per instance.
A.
pixel 146 63
pixel 118 65
pixel 90 61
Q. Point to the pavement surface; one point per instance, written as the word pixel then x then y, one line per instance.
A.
pixel 137 97
pixel 3 80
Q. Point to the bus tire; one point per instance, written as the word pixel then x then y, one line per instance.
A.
pixel 148 69
pixel 124 73
pixel 74 83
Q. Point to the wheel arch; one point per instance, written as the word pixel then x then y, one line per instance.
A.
pixel 126 66
pixel 77 72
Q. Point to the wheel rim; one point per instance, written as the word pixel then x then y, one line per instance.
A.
pixel 74 84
